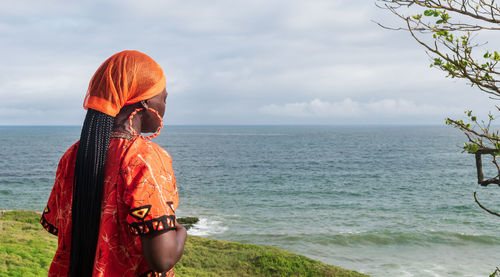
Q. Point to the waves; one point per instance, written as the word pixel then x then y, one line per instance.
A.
pixel 425 238
pixel 350 196
pixel 379 238
pixel 207 227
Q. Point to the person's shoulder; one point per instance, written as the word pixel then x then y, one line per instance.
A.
pixel 70 154
pixel 67 161
pixel 160 150
pixel 148 150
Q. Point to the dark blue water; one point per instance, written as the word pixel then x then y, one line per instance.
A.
pixel 387 201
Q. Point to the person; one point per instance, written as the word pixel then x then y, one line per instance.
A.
pixel 113 202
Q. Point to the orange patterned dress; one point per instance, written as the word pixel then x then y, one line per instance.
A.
pixel 140 197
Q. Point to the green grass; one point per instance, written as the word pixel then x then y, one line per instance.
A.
pixel 27 250
pixel 207 257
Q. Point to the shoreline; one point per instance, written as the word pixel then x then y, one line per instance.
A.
pixel 26 248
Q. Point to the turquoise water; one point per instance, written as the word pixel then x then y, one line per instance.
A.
pixel 387 201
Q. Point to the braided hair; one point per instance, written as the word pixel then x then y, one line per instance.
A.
pixel 88 187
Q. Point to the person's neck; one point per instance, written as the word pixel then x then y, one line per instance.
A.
pixel 122 124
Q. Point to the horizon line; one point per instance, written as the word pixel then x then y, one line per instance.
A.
pixel 243 125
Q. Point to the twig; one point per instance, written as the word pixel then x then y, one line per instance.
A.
pixel 483 207
pixel 471 131
pixel 490 181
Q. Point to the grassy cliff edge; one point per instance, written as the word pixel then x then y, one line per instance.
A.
pixel 27 250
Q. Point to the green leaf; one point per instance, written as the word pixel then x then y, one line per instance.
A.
pixel 417 16
pixel 496 56
pixel 445 17
pixel 428 12
pixel 438 61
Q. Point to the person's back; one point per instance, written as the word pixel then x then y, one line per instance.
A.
pixel 140 197
pixel 114 198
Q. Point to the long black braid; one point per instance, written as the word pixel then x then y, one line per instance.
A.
pixel 88 188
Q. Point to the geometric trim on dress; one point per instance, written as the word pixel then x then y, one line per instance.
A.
pixel 163 223
pixel 46 225
pixel 171 205
pixel 140 213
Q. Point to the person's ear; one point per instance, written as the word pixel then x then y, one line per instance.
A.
pixel 144 104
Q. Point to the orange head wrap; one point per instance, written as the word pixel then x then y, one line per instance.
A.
pixel 125 78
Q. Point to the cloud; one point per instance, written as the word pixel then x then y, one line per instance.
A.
pixel 315 108
pixel 348 108
pixel 224 60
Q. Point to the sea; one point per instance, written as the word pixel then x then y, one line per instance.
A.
pixel 381 200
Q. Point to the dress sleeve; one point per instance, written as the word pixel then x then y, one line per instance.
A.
pixel 49 215
pixel 150 193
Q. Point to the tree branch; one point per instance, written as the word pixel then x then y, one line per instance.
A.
pixel 483 207
pixel 465 128
pixel 470 11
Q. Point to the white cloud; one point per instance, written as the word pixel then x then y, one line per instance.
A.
pixel 224 59
pixel 348 108
pixel 315 108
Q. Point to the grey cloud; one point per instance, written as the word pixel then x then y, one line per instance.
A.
pixel 224 60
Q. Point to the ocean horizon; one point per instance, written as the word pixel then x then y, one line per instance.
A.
pixel 259 125
pixel 385 199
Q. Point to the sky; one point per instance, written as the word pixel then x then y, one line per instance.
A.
pixel 228 62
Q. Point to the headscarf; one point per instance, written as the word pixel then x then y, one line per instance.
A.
pixel 125 78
